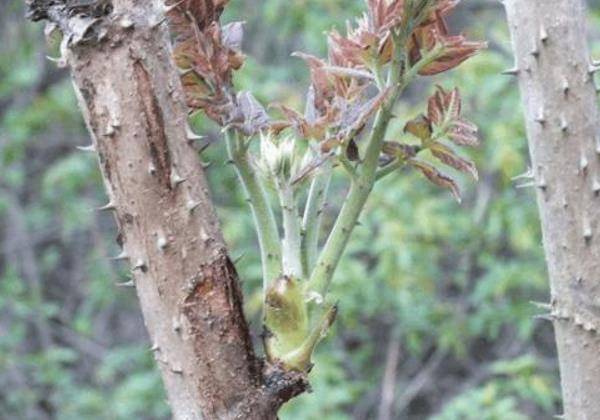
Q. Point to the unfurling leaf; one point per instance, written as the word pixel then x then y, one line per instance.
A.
pixel 400 150
pixel 436 177
pixel 419 127
pixel 254 117
pixel 463 133
pixel 449 157
pixel 444 110
pixel 433 33
pixel 207 54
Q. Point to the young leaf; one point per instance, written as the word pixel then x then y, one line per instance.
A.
pixel 446 155
pixel 436 177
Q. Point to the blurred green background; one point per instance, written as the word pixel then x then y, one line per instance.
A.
pixel 435 322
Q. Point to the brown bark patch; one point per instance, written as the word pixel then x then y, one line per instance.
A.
pixel 154 124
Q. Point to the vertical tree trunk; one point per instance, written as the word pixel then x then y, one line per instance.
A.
pixel 188 289
pixel 556 79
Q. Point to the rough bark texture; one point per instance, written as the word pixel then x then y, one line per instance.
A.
pixel 188 289
pixel 556 79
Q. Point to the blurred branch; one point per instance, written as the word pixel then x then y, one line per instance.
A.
pixel 419 382
pixel 388 387
pixel 21 254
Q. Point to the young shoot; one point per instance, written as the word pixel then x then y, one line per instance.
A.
pixel 344 128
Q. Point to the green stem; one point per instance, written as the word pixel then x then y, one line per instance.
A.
pixel 362 186
pixel 353 205
pixel 264 219
pixel 347 165
pixel 291 243
pixel 313 216
pixel 389 168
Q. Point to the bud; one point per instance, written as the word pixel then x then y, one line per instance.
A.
pixel 286 317
pixel 280 159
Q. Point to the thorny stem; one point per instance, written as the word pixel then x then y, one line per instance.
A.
pixel 291 243
pixel 313 216
pixel 264 219
pixel 361 187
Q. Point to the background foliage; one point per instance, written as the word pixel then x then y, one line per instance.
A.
pixel 435 322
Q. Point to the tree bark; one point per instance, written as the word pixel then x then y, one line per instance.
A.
pixel 188 289
pixel 556 79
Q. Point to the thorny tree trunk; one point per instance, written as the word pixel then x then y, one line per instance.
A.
pixel 556 79
pixel 188 289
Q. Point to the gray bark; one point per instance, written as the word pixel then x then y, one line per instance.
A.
pixel 188 289
pixel 561 107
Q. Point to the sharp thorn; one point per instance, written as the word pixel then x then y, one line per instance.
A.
pixel 129 283
pixel 162 243
pixel 541 305
pixel 158 22
pixel 526 185
pixel 168 9
pixel 107 207
pixel 238 259
pixel 139 265
pixel 190 135
pixel 151 169
pixel 60 62
pixel 176 179
pixel 90 148
pixel 511 72
pixel 183 72
pixel 543 34
pixel 122 256
pixel 126 22
pixel 192 205
pixel 204 147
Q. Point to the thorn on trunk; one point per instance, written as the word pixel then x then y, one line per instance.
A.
pixel 204 147
pixel 542 305
pixel 159 21
pixel 129 283
pixel 192 205
pixel 110 131
pixel 161 243
pixel 583 163
pixel 541 118
pixel 238 259
pixel 190 135
pixel 110 206
pixel 564 124
pixel 140 265
pixel 61 63
pixel 169 8
pixel 176 179
pixel 566 87
pixel 90 148
pixel 596 187
pixel 543 34
pixel 587 230
pixel 126 22
pixel 511 72
pixel 122 256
